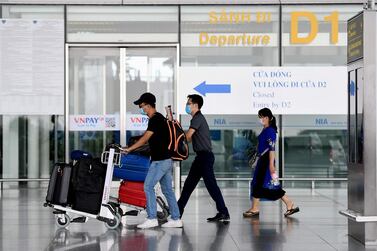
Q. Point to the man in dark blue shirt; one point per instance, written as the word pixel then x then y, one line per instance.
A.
pixel 202 167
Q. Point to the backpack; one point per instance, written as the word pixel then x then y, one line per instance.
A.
pixel 178 146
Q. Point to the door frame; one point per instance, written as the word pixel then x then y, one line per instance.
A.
pixel 121 46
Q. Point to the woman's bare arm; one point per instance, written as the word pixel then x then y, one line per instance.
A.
pixel 272 162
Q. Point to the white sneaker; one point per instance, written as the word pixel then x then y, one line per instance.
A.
pixel 173 223
pixel 148 224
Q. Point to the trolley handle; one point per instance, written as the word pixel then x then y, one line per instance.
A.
pixel 105 157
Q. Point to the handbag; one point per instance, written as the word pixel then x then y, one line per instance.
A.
pixel 252 153
pixel 271 183
pixel 252 159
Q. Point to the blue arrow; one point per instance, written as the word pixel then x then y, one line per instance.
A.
pixel 203 88
pixel 352 88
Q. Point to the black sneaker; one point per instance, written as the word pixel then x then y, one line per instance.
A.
pixel 219 217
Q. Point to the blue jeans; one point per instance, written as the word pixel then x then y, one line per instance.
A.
pixel 160 171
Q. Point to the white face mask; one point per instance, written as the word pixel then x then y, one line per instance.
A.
pixel 261 121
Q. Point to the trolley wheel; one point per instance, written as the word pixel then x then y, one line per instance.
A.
pixel 162 216
pixel 119 215
pixel 114 223
pixel 63 222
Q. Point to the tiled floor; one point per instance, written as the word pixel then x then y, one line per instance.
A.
pixel 27 225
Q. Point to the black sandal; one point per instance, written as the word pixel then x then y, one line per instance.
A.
pixel 249 214
pixel 291 211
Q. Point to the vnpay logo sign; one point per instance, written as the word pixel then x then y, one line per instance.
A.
pixel 88 121
pixel 110 122
pixel 140 121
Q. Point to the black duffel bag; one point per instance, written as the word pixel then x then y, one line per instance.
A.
pixel 115 146
pixel 142 150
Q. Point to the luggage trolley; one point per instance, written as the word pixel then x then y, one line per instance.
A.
pixel 109 211
pixel 162 210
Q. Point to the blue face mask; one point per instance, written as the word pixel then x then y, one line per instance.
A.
pixel 142 111
pixel 188 109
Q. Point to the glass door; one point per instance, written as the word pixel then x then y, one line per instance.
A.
pixel 148 70
pixel 104 82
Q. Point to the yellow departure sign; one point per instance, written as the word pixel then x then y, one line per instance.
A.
pixel 210 37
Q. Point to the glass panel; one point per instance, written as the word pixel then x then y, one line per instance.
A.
pixel 32 12
pixel 315 146
pixel 231 137
pixel 122 24
pixel 30 144
pixel 237 40
pixel 316 35
pixel 148 70
pixel 94 93
pixel 360 114
pixel 246 35
pixel 352 116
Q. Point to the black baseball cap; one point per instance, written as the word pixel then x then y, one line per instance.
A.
pixel 147 98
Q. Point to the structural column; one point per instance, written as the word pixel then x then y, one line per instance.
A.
pixel 10 147
pixel 33 150
pixel 44 146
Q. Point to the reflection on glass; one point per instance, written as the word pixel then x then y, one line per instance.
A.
pixel 315 146
pixel 230 148
pixel 148 70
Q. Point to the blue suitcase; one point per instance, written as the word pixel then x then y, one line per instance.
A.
pixel 133 167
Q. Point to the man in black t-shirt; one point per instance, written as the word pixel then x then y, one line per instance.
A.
pixel 160 170
pixel 202 166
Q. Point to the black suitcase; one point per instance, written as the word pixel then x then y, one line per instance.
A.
pixel 88 183
pixel 89 175
pixel 59 184
pixel 87 202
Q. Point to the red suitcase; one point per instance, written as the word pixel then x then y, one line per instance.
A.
pixel 132 192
